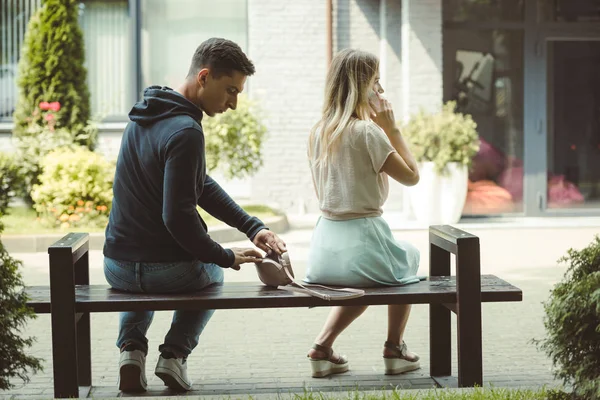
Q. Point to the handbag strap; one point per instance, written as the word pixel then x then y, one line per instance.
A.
pixel 352 293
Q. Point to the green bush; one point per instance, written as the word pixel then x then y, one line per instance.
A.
pixel 75 189
pixel 442 137
pixel 51 70
pixel 53 107
pixel 14 314
pixel 32 148
pixel 234 140
pixel 572 322
pixel 10 180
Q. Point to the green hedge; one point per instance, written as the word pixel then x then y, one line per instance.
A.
pixel 75 188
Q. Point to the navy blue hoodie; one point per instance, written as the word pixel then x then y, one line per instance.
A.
pixel 159 180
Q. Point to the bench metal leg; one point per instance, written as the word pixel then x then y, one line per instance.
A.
pixel 64 320
pixel 84 351
pixel 468 316
pixel 443 241
pixel 64 348
pixel 440 341
pixel 440 330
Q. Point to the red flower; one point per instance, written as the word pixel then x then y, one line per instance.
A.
pixel 54 106
pixel 44 105
pixel 49 117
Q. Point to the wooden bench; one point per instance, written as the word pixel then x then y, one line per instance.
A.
pixel 70 299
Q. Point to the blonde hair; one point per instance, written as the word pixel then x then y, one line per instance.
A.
pixel 351 74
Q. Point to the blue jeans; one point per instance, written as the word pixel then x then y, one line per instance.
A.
pixel 170 277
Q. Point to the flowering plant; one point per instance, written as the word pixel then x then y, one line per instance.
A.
pixel 75 189
pixel 50 115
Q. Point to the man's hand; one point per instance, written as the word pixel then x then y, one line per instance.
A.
pixel 243 256
pixel 267 241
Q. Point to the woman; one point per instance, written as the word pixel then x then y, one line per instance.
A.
pixel 352 150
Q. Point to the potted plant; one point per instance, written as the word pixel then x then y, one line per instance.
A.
pixel 444 144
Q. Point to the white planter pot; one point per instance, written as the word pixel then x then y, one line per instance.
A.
pixel 439 200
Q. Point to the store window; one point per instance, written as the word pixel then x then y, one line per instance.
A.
pixel 569 10
pixel 483 73
pixel 483 10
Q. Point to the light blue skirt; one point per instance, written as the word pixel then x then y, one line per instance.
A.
pixel 360 253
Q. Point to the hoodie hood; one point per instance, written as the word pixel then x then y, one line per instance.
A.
pixel 161 102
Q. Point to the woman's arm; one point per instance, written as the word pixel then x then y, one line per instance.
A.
pixel 401 166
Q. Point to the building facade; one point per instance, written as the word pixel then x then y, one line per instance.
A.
pixel 526 70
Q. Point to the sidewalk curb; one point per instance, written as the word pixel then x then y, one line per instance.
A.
pixel 40 243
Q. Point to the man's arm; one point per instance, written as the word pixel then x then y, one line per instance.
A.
pixel 183 168
pixel 221 206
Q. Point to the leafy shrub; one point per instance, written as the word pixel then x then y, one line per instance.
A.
pixel 572 322
pixel 53 108
pixel 442 137
pixel 75 189
pixel 234 140
pixel 14 313
pixel 10 180
pixel 51 69
pixel 32 148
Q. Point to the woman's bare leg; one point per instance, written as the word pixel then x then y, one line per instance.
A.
pixel 397 318
pixel 339 319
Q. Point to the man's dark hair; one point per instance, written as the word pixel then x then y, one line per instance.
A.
pixel 222 56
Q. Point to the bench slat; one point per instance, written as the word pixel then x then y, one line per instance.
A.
pixel 237 295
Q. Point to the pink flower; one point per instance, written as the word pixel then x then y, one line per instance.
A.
pixel 49 117
pixel 44 105
pixel 54 106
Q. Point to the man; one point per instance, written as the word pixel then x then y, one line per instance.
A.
pixel 156 242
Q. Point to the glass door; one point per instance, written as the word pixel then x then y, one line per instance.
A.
pixel 573 125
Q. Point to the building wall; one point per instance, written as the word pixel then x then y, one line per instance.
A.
pixel 287 44
pixel 421 55
pixel 290 80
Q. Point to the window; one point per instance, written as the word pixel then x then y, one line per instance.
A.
pixel 172 30
pixel 570 10
pixel 483 10
pixel 14 17
pixel 483 73
pixel 108 50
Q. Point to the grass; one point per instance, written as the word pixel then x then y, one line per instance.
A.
pixel 433 394
pixel 23 221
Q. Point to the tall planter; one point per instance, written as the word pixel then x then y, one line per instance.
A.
pixel 439 199
pixel 443 143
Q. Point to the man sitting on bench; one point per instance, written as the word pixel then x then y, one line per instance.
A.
pixel 156 242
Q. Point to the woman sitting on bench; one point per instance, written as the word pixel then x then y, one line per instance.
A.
pixel 352 150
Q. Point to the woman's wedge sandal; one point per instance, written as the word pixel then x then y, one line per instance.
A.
pixel 400 362
pixel 322 367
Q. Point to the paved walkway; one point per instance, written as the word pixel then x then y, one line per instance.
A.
pixel 264 351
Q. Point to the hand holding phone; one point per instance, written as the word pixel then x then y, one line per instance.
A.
pixel 383 112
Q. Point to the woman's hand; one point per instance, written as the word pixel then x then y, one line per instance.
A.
pixel 383 113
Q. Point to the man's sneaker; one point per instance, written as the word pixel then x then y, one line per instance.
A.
pixel 173 372
pixel 132 370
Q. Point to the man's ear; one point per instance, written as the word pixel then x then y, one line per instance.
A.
pixel 202 76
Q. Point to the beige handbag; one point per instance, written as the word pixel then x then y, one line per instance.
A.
pixel 276 270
